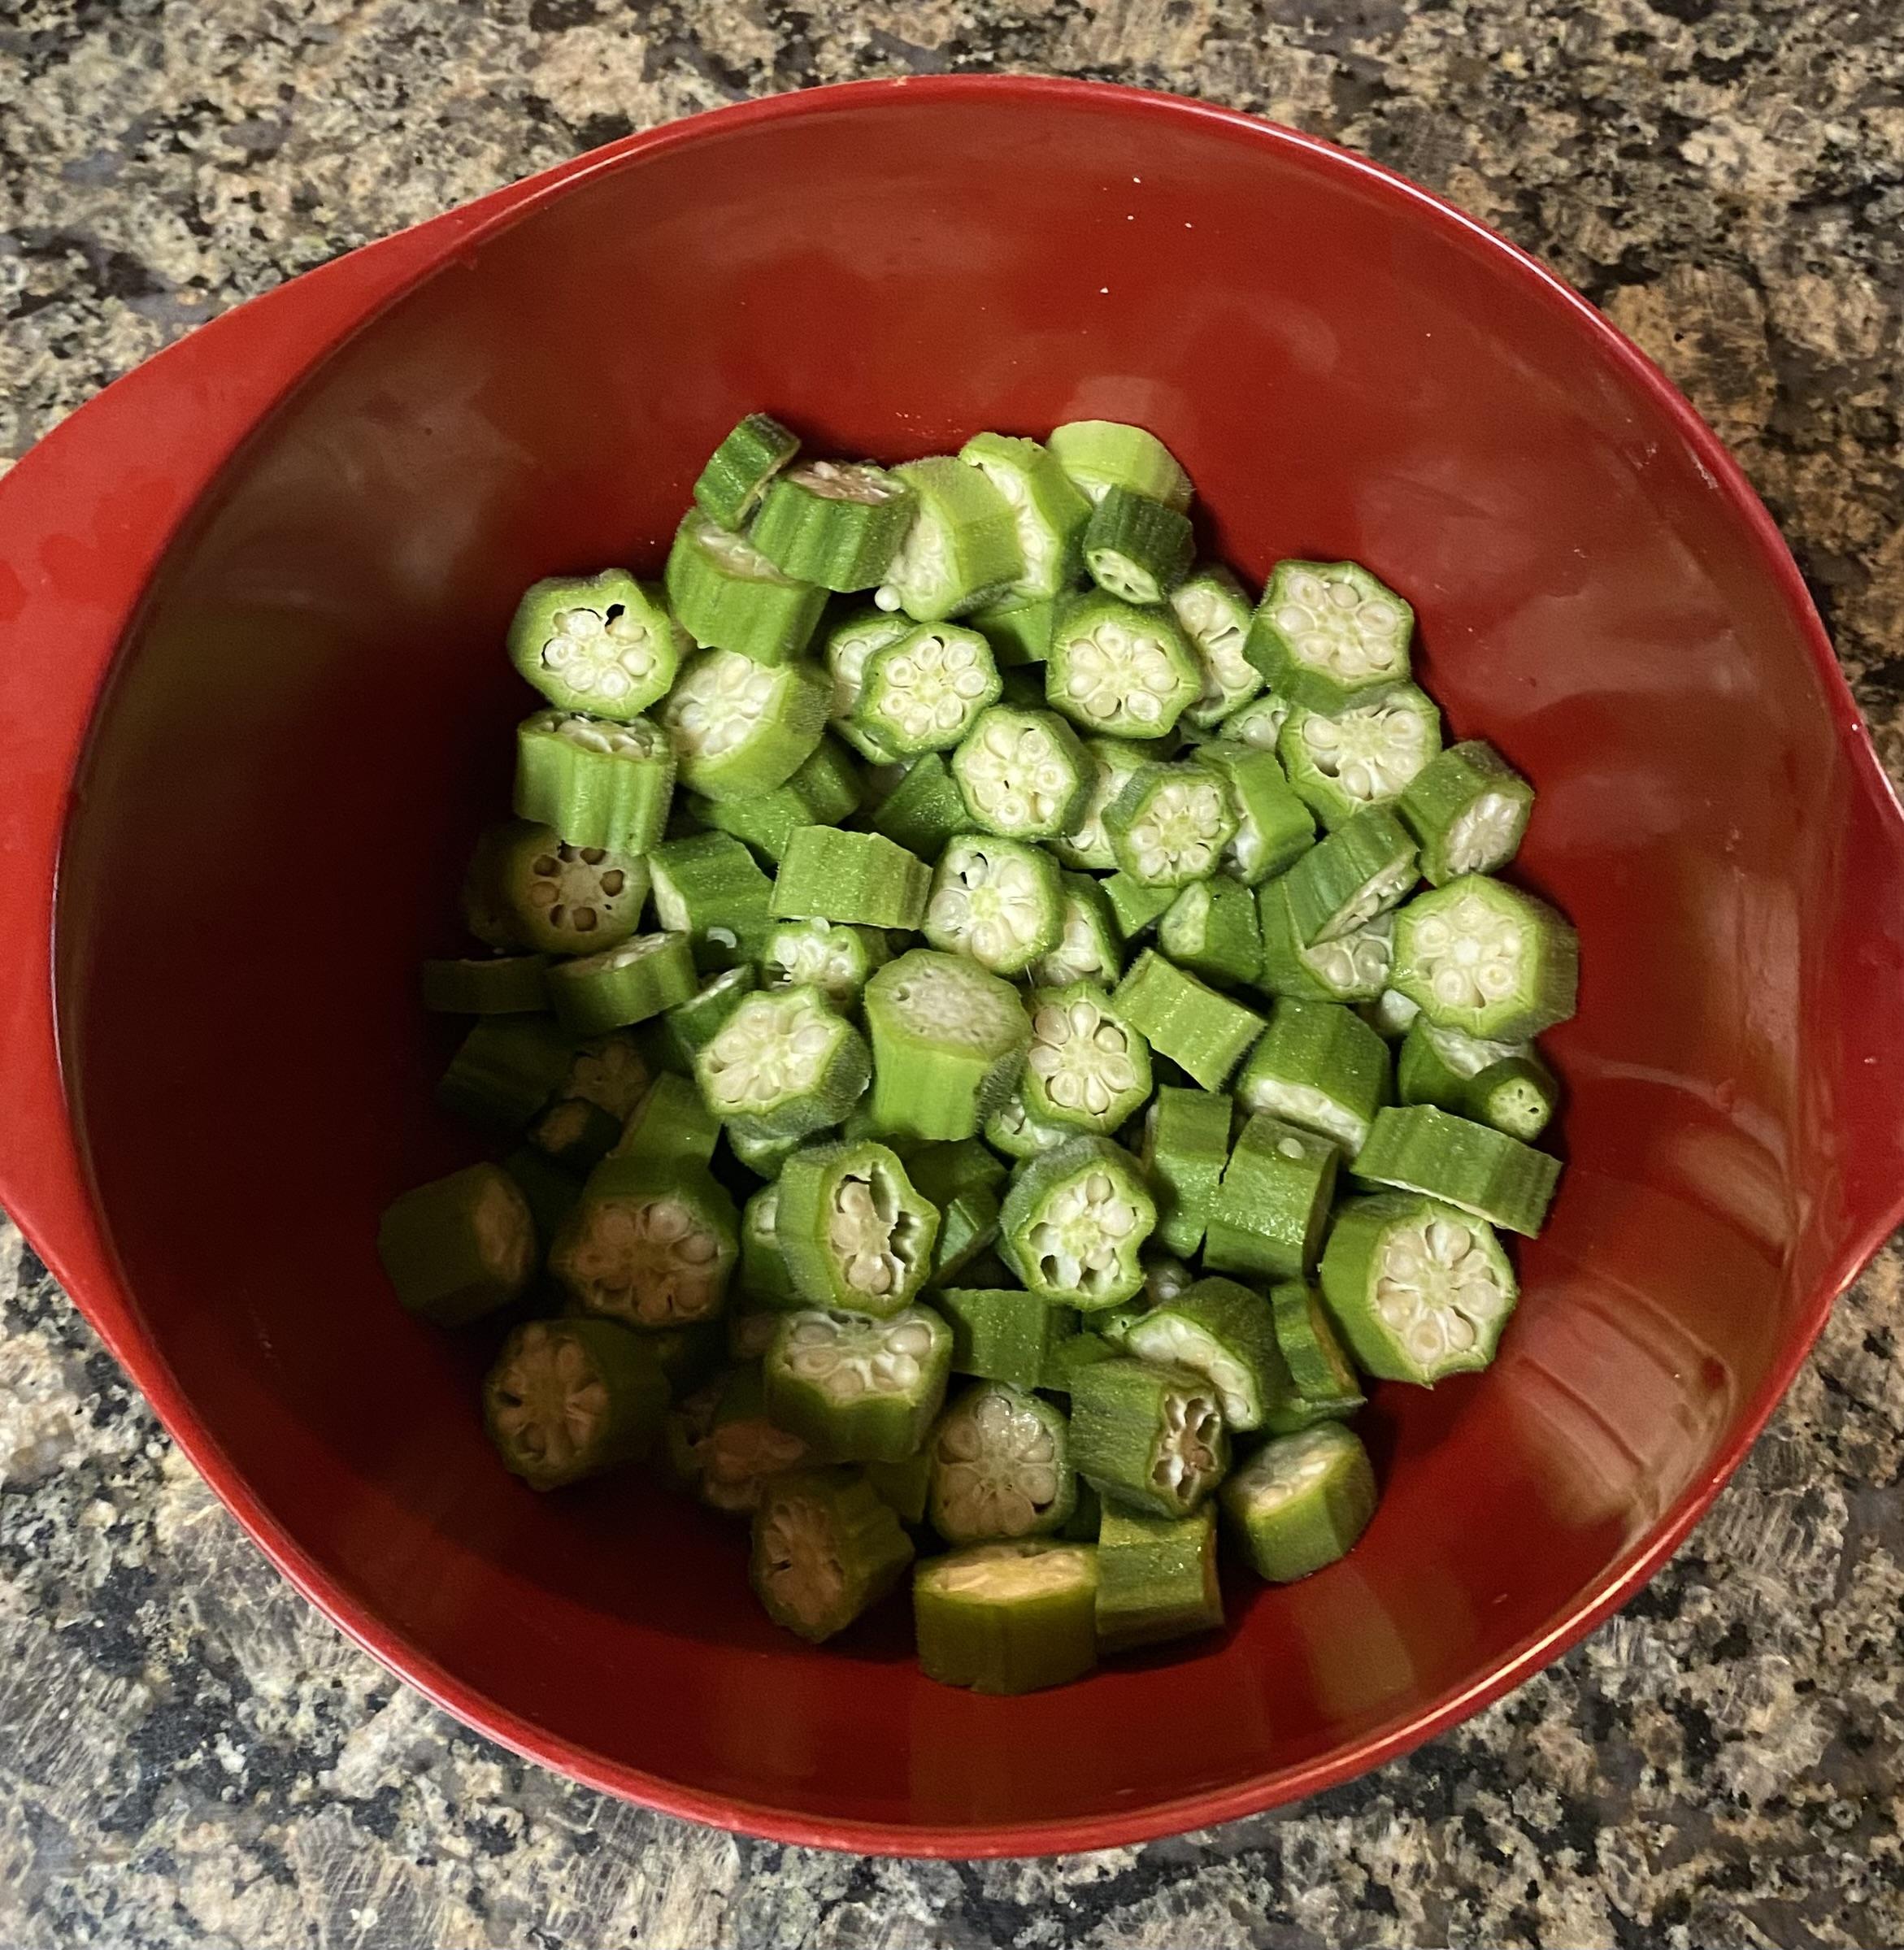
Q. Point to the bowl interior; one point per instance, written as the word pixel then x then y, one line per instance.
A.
pixel 313 718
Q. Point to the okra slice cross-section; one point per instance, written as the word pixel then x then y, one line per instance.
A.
pixel 1300 1501
pixel 649 1242
pixel 849 645
pixel 1274 827
pixel 1353 967
pixel 624 985
pixel 1361 758
pixel 1505 1084
pixel 568 1399
pixel 996 901
pixel 1087 1067
pixel 922 692
pixel 1215 615
pixel 1470 1166
pixel 855 1231
pixel 1224 1332
pixel 1170 824
pixel 1361 871
pixel 728 595
pixel 1089 948
pixel 960 550
pixel 710 888
pixel 1484 957
pixel 784 1064
pixel 1075 1220
pixel 1110 763
pixel 722 1445
pixel 826 1548
pixel 459 1246
pixel 602 644
pixel 825 791
pixel 739 726
pixel 1327 635
pixel 1000 1466
pixel 1150 1436
pixel 1120 667
pixel 1007 1617
pixel 1100 454
pixel 834 956
pixel 1022 774
pixel 856 1388
pixel 949 1041
pixel 528 888
pixel 593 782
pixel 1049 514
pixel 1468 810
pixel 837 523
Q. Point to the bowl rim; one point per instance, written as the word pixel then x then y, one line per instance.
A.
pixel 419 254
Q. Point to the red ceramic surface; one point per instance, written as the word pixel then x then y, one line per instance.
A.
pixel 252 703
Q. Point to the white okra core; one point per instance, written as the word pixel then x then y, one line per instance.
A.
pixel 773 1048
pixel 930 689
pixel 1017 774
pixel 652 1260
pixel 735 1457
pixel 1082 1056
pixel 1218 631
pixel 1304 1104
pixel 603 652
pixel 1354 963
pixel 813 954
pixel 1008 1574
pixel 990 902
pixel 737 553
pixel 1037 538
pixel 1183 828
pixel 1287 1468
pixel 1331 625
pixel 1373 751
pixel 1115 668
pixel 923 560
pixel 843 480
pixel 1377 898
pixel 948 1004
pixel 638 739
pixel 1471 955
pixel 801 1561
pixel 1079 956
pixel 571 885
pixel 1186 1449
pixel 719 701
pixel 1078 1242
pixel 847 1355
pixel 997 1465
pixel 877 1237
pixel 1483 835
pixel 1167 1338
pixel 548 1402
pixel 1437 1290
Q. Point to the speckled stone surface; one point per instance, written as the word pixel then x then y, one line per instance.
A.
pixel 188 1755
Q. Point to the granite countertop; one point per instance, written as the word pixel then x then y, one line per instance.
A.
pixel 190 1754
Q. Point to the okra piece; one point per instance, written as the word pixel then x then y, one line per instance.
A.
pixel 568 1399
pixel 1350 968
pixel 1212 929
pixel 850 643
pixel 1074 1222
pixel 924 810
pixel 1087 1068
pixel 902 1484
pixel 948 1041
pixel 1120 668
pixel 709 889
pixel 1468 810
pixel 963 1179
pixel 1186 1144
pixel 1070 1355
pixel 764 1157
pixel 1483 958
pixel 551 1191
pixel 1111 763
pixel 1203 1033
pixel 1227 1334
pixel 1157 1578
pixel 1319 1065
pixel 863 879
pixel 750 1334
pixel 1170 824
pixel 1215 615
pixel 1150 1437
pixel 506 1069
pixel 1259 724
pixel 1135 907
pixel 1390 1015
pixel 1022 774
pixel 1089 947
pixel 1007 1619
pixel 740 728
pixel 1322 1375
pixel 1019 633
pixel 575 1133
pixel 1272 1207
pixel 784 1064
pixel 1363 757
pixel 740 468
pixel 960 550
pixel 766 1279
pixel 1300 1501
pixel 1001 1333
pixel 826 1546
pixel 604 645
pixel 834 958
pixel 922 692
pixel 857 1389
pixel 1327 635
pixel 608 1070
pixel 1472 1167
pixel 649 1243
pixel 1420 1290
pixel 837 523
pixel 825 791
pixel 722 1445
pixel 527 889
pixel 1503 1084
pixel 1519 1095
pixel 1136 548
pixel 459 1246
pixel 1048 512
pixel 485 985
pixel 624 985
pixel 593 782
pixel 1000 1465
pixel 728 596
pixel 690 1026
pixel 670 1126
pixel 1274 827
pixel 1013 1132
pixel 996 901
pixel 856 1232
pixel 1097 454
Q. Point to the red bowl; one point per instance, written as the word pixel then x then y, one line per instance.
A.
pixel 254 703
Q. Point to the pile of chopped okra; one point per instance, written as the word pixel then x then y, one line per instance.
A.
pixel 985 1092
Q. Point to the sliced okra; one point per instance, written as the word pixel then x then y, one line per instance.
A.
pixel 963 1181
pixel 863 879
pixel 825 791
pixel 826 1548
pixel 740 728
pixel 784 1063
pixel 593 782
pixel 1097 454
pixel 764 1157
pixel 765 1278
pixel 924 810
pixel 1420 1290
pixel 1111 763
pixel 837 523
pixel 856 1232
pixel 1075 1222
pixel 506 1069
pixel 1114 1324
pixel 527 889
pixel 1170 824
pixel 855 1388
pixel 1007 1617
pixel 1274 827
pixel 723 1447
pixel 604 645
pixel 1135 907
pixel 709 889
pixel 1319 1066
pixel 1440 1066
pixel 1203 1033
pixel 1272 1207
pixel 1215 615
pixel 1468 809
pixel 949 1041
pixel 650 1243
pixel 1013 1132
pixel 832 956
pixel 1362 757
pixel 850 643
pixel 996 901
pixel 922 692
pixel 1072 1353
pixel 1149 1437
pixel 1186 1144
pixel 628 983
pixel 1259 723
pixel 670 1126
pixel 1354 967
pixel 1022 774
pixel 1087 1068
pixel 1459 1163
pixel 575 1133
pixel 1004 1334
pixel 1517 1095
pixel 1048 512
pixel 728 595
pixel 459 1246
pixel 1323 1375
pixel 960 550
pixel 1001 1465
pixel 1212 929
pixel 1136 548
pixel 1327 635
pixel 1120 668
pixel 1485 958
pixel 485 985
pixel 1089 947
pixel 550 1190
pixel 1157 1578
pixel 739 469
pixel 1019 633
pixel 1224 1332
pixel 1300 1501
pixel 1390 1015
pixel 608 1070
pixel 568 1399
pixel 690 1026
pixel 902 1484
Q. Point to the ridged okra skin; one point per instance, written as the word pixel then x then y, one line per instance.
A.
pixel 1300 1502
pixel 1149 1438
pixel 855 1388
pixel 1157 1577
pixel 459 1246
pixel 1007 1617
pixel 594 782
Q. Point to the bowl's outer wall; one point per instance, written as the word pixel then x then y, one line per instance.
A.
pixel 314 716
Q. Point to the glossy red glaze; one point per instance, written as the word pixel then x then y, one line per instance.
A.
pixel 252 703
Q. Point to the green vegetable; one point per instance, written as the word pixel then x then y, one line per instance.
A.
pixel 1001 1334
pixel 855 1231
pixel 1156 1577
pixel 767 1280
pixel 506 1069
pixel 1019 633
pixel 1364 869
pixel 628 983
pixel 740 728
pixel 1048 512
pixel 848 646
pixel 1259 724
pixel 963 1179
pixel 1390 1015
pixel 1300 1501
pixel 1013 1132
pixel 739 469
pixel 1170 824
pixel 1007 1617
pixel 1327 635
pixel 862 878
pixel 1120 668
pixel 923 691
pixel 722 1445
pixel 924 810
pixel 1203 1033
pixel 1319 1065
pixel 1021 774
pixel 858 1389
pixel 1110 762
pixel 1136 548
pixel 728 595
pixel 996 901
pixel 1186 1144
pixel 947 1043
pixel 1470 1166
pixel 670 1126
pixel 1089 948
pixel 902 1484
pixel 1483 958
pixel 575 1133
pixel 568 1399
pixel 593 782
pixel 1350 968
pixel 550 1189
pixel 1274 827
pixel 1135 907
pixel 1364 756
pixel 1097 454
pixel 783 1064
pixel 1468 810
pixel 961 550
pixel 690 1025
pixel 1322 1375
pixel 1150 1437
pixel 838 523
pixel 827 1548
pixel 487 985
pixel 1503 1084
pixel 1086 1069
pixel 649 1243
pixel 833 957
pixel 1074 1222
pixel 823 792
pixel 1210 928
pixel 460 1247
pixel 1227 1334
pixel 1000 1466
pixel 1215 615
pixel 604 645
pixel 1271 1209
pixel 526 889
